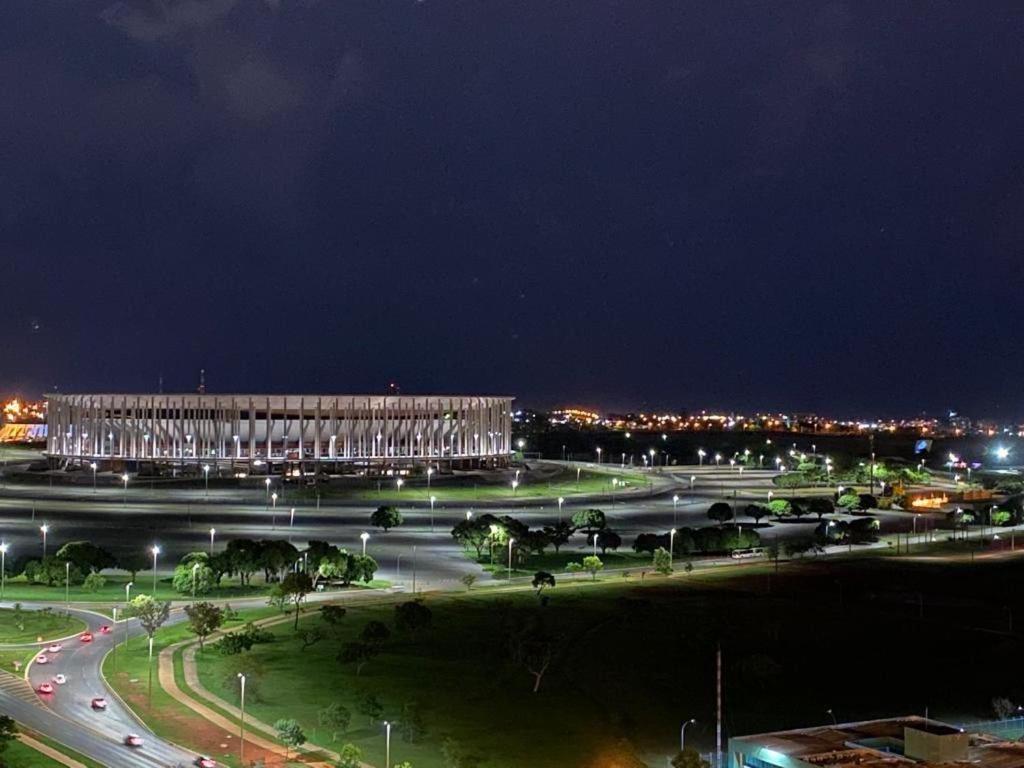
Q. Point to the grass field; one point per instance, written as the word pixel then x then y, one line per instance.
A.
pixel 18 755
pixel 127 671
pixel 113 591
pixel 20 626
pixel 533 485
pixel 866 638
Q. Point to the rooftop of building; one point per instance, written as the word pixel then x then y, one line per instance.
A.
pixel 875 744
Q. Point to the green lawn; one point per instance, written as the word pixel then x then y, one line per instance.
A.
pixel 18 755
pixel 633 658
pixel 13 660
pixel 22 626
pixel 533 485
pixel 61 748
pixel 555 562
pixel 127 671
pixel 114 590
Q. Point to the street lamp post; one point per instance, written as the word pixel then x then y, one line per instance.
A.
pixel 266 493
pixel 561 501
pixel 151 670
pixel 399 483
pixel 156 551
pixel 671 547
pixel 430 471
pixel 206 478
pixel 364 536
pixel 291 523
pixel 241 736
pixel 3 568
pixel 273 519
pixel 432 500
pixel 124 479
pixel 127 603
pixel 511 541
pixel 515 484
pixel 67 585
pixel 682 734
pixel 213 532
pixel 93 466
pixel 387 743
pixel 700 457
pixel 693 479
pixel 195 569
pixel 675 509
pixel 598 454
pixel 44 529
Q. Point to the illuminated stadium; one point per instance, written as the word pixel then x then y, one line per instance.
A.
pixel 275 433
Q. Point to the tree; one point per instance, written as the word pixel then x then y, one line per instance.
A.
pixel 780 507
pixel 593 564
pixel 411 726
pixel 689 758
pixel 412 616
pixel 558 534
pixel 386 517
pixel 369 704
pixel 1003 708
pixel 821 506
pixel 295 586
pixel 349 756
pixel 94 582
pixel 133 562
pixel 456 756
pixel 311 636
pixel 468 579
pixel 662 561
pixel 541 581
pixel 8 731
pixel 275 557
pixel 150 613
pixel 849 501
pixel 608 539
pixel 472 533
pixel 756 511
pixel 358 652
pixel 51 572
pixel 345 567
pixel 242 558
pixel 588 520
pixel 332 615
pixel 289 733
pixel 335 718
pixel 86 556
pixel 375 633
pixel 204 619
pixel 193 568
pixel 720 512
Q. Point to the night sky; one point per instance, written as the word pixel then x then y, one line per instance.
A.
pixel 801 205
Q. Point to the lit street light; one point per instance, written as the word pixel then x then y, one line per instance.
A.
pixel 515 484
pixel 718 460
pixel 150 670
pixel 3 568
pixel 682 734
pixel 432 500
pixel 671 547
pixel 675 509
pixel 124 479
pixel 399 483
pixel 206 477
pixel 511 541
pixel 430 471
pixel 45 529
pixel 93 467
pixel 213 532
pixel 241 738
pixel 700 457
pixel 195 569
pixel 291 523
pixel 364 536
pixel 693 479
pixel 156 551
pixel 561 501
pixel 387 738
pixel 598 454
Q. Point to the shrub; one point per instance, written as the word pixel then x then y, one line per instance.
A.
pixel 94 582
pixel 780 507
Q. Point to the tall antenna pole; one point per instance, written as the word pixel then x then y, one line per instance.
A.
pixel 718 727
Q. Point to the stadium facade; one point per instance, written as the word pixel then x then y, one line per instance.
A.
pixel 274 433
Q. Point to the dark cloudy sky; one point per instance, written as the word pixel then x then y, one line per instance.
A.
pixel 803 204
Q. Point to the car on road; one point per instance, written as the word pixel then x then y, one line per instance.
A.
pixel 105 629
pixel 205 762
pixel 133 740
pixel 42 658
pixel 98 703
pixel 44 688
pixel 55 648
pixel 85 637
pixel 59 679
